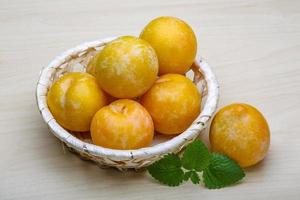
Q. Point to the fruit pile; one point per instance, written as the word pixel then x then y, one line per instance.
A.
pixel 136 86
pixel 131 88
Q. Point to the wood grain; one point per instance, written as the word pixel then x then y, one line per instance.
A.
pixel 253 46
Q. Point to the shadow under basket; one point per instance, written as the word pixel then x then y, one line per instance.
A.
pixel 76 59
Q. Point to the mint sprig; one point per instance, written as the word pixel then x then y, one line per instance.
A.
pixel 216 170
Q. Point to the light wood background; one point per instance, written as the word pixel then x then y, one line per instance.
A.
pixel 254 47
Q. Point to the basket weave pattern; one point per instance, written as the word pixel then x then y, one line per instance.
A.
pixel 76 59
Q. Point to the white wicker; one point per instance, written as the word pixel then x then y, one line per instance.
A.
pixel 76 59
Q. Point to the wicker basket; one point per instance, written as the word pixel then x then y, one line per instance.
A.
pixel 76 59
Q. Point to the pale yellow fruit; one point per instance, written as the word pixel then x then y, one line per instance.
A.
pixel 174 43
pixel 173 103
pixel 74 99
pixel 127 67
pixel 241 132
pixel 123 124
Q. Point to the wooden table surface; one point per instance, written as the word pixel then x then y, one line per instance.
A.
pixel 253 47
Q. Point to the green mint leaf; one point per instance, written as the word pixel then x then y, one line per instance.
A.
pixel 195 177
pixel 167 170
pixel 191 175
pixel 221 172
pixel 196 156
pixel 187 175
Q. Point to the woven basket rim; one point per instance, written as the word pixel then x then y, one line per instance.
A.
pixel 156 150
